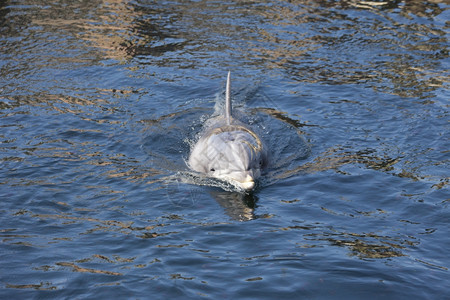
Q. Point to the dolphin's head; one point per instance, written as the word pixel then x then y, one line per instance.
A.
pixel 231 153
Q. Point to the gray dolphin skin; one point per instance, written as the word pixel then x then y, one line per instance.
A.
pixel 229 150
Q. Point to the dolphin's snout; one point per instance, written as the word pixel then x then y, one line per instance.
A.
pixel 248 184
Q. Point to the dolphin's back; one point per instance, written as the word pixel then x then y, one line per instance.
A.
pixel 228 100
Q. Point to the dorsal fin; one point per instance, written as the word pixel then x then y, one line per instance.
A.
pixel 228 100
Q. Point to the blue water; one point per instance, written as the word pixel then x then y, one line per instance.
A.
pixel 100 102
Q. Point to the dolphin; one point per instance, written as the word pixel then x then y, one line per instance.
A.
pixel 229 150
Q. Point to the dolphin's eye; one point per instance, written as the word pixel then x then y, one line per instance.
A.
pixel 212 170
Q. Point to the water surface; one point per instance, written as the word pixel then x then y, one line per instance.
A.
pixel 100 101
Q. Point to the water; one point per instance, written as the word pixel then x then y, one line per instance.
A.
pixel 99 102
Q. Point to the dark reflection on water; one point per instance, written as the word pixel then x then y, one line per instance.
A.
pixel 238 206
pixel 99 102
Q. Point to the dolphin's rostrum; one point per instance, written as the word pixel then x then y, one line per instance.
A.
pixel 229 150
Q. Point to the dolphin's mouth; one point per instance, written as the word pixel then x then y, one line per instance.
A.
pixel 248 184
